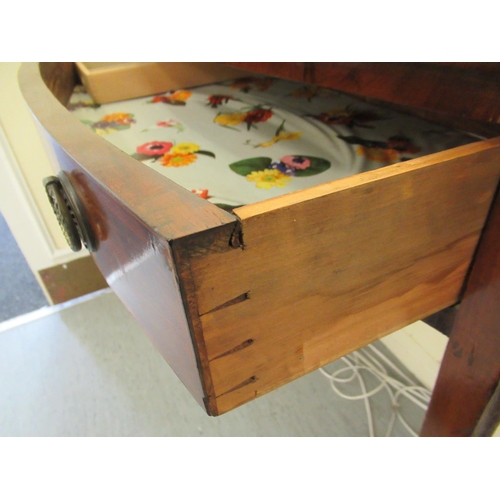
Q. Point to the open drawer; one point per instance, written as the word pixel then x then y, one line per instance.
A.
pixel 241 303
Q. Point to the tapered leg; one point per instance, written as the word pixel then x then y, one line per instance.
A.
pixel 470 371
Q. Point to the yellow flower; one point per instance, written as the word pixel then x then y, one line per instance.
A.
pixel 180 95
pixel 116 117
pixel 282 136
pixel 268 178
pixel 177 160
pixel 185 148
pixel 229 119
pixel 104 131
pixel 378 154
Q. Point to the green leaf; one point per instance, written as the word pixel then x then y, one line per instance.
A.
pixel 318 166
pixel 249 165
pixel 207 153
pixel 280 128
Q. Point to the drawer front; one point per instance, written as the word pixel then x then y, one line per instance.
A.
pixel 134 214
pixel 137 264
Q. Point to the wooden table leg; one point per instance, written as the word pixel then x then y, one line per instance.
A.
pixel 491 416
pixel 470 370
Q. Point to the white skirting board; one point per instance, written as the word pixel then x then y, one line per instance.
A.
pixel 420 348
pixel 24 218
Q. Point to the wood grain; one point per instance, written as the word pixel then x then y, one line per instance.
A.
pixel 109 82
pixel 470 370
pixel 325 271
pixel 60 79
pixel 467 92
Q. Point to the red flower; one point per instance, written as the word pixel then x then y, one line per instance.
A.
pixel 257 115
pixel 160 98
pixel 217 99
pixel 155 148
pixel 202 193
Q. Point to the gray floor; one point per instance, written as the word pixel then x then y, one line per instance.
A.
pixel 19 289
pixel 86 369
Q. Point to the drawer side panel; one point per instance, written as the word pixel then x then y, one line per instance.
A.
pixel 348 263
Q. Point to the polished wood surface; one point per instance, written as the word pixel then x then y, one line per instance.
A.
pixel 470 371
pixel 459 94
pixel 489 421
pixel 60 78
pixel 327 270
pixel 135 214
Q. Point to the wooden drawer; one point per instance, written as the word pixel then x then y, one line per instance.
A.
pixel 240 304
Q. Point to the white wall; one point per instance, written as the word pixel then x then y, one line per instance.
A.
pixel 24 162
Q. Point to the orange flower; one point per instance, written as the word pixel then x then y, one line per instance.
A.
pixel 378 154
pixel 180 95
pixel 202 193
pixel 177 160
pixel 118 118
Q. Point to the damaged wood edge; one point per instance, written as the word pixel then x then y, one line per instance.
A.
pixel 236 239
pixel 213 240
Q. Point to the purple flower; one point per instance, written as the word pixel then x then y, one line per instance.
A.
pixel 283 168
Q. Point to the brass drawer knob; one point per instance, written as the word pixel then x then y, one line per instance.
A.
pixel 70 213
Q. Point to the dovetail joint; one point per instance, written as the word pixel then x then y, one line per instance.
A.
pixel 236 240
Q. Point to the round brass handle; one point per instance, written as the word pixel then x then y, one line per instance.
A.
pixel 70 213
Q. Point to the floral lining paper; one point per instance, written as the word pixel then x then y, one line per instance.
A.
pixel 243 141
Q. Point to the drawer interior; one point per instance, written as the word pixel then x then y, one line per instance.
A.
pixel 250 139
pixel 294 277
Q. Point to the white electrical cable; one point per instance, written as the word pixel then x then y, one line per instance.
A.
pixel 372 363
